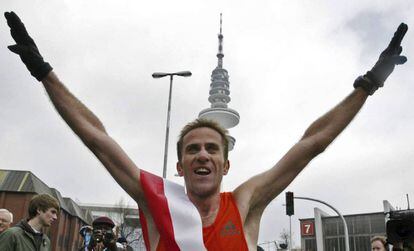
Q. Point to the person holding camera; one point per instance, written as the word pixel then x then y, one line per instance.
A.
pixel 103 237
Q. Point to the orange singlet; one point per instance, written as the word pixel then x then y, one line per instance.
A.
pixel 226 233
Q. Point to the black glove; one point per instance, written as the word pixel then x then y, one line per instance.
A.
pixel 390 57
pixel 26 48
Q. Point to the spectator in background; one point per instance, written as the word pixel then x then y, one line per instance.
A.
pixel 6 218
pixel 379 243
pixel 86 233
pixel 103 236
pixel 27 235
pixel 122 244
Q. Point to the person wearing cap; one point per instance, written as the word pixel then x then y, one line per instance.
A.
pixel 103 237
pixel 224 221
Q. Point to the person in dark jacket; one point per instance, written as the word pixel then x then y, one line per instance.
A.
pixel 27 235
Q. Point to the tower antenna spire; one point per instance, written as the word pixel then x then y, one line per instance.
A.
pixel 220 53
pixel 219 94
pixel 221 22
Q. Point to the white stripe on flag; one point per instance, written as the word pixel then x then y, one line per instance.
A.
pixel 188 229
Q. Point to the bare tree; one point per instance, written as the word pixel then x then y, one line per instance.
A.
pixel 128 225
pixel 285 236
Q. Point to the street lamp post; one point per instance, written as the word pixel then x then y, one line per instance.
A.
pixel 336 211
pixel 161 75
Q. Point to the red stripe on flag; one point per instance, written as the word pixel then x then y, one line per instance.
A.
pixel 144 229
pixel 153 187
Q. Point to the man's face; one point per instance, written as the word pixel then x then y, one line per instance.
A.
pixel 48 217
pixel 103 234
pixel 202 163
pixel 4 221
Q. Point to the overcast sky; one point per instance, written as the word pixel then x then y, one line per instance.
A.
pixel 289 62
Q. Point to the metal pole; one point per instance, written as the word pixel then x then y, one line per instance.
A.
pixel 167 133
pixel 167 130
pixel 408 201
pixel 290 232
pixel 340 215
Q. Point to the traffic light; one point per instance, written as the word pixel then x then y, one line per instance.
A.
pixel 289 204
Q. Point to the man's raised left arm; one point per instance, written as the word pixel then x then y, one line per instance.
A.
pixel 256 193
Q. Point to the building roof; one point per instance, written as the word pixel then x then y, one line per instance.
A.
pixel 26 182
pixel 75 209
pixel 22 181
pixel 348 215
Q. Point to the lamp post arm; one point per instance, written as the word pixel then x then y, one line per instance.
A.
pixel 336 211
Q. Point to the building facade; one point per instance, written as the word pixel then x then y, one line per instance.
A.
pixel 18 187
pixel 327 232
pixel 16 190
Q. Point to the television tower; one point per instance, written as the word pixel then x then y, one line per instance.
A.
pixel 219 95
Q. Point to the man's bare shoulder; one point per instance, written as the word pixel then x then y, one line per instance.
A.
pixel 250 217
pixel 242 196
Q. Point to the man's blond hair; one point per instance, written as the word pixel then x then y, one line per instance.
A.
pixel 199 123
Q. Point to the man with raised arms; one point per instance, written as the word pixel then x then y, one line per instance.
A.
pixel 230 221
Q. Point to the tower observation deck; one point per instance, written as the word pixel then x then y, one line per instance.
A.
pixel 219 95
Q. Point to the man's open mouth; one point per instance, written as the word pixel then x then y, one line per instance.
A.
pixel 202 171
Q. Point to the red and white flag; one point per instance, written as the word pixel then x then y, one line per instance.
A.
pixel 174 215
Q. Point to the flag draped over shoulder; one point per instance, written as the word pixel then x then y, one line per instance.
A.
pixel 175 216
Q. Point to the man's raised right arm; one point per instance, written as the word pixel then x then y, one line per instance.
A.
pixel 93 134
pixel 79 118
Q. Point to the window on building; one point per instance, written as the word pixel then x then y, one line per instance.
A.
pixel 362 243
pixel 378 224
pixel 310 245
pixel 342 243
pixel 362 225
pixel 351 225
pixel 330 228
pixel 332 244
pixel 352 244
